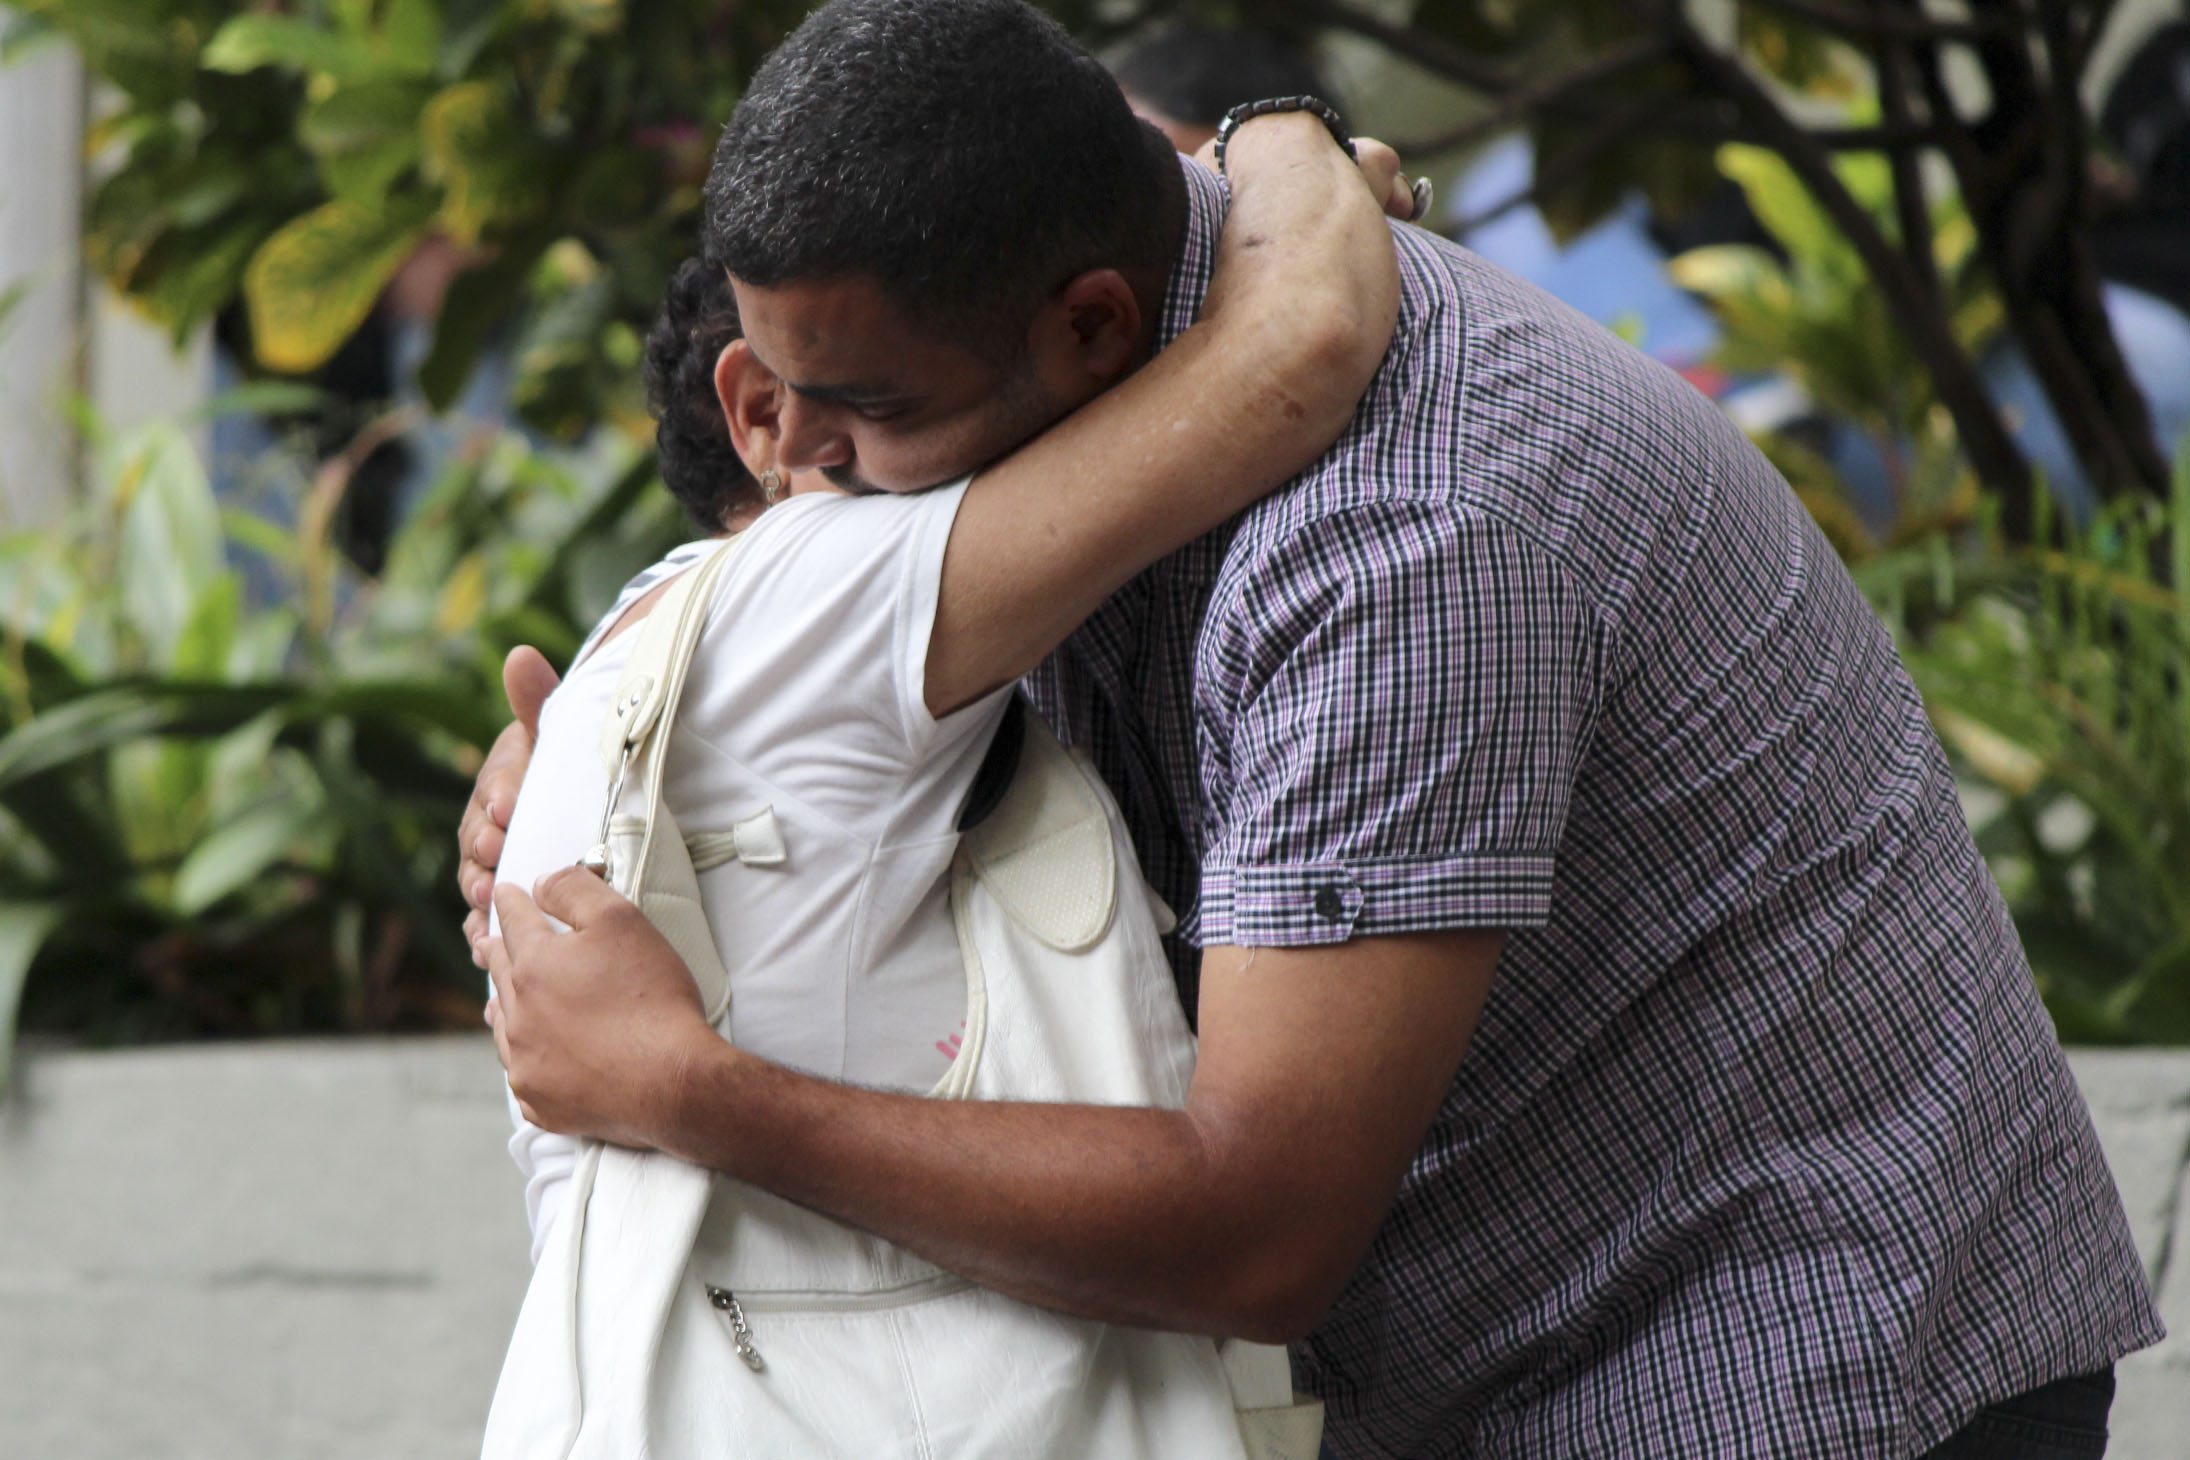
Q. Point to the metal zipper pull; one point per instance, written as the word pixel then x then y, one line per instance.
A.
pixel 727 1302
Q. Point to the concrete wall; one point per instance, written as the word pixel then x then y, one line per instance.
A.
pixel 315 1250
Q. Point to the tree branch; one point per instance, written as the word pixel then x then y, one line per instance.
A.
pixel 1984 436
pixel 1548 93
pixel 1413 44
pixel 1911 207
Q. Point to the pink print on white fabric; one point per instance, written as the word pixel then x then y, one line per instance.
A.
pixel 950 1046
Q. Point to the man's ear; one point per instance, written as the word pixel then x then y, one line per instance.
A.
pixel 1088 335
pixel 748 392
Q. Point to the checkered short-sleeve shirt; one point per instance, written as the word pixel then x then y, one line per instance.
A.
pixel 1764 1145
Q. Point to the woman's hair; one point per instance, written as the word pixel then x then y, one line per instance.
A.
pixel 698 464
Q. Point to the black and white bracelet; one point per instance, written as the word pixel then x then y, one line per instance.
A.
pixel 1315 106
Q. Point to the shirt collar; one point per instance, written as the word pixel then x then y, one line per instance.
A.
pixel 1207 198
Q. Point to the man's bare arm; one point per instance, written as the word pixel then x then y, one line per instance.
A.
pixel 1299 312
pixel 1243 1214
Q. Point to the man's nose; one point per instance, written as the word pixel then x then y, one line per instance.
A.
pixel 811 437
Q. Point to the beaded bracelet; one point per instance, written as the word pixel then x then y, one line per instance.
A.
pixel 1322 110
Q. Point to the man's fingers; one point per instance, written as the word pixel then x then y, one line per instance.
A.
pixel 504 773
pixel 498 969
pixel 1379 166
pixel 524 927
pixel 528 679
pixel 577 896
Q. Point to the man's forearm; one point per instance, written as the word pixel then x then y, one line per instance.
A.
pixel 1127 1215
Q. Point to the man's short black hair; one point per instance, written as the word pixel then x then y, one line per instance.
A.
pixel 966 154
pixel 1193 74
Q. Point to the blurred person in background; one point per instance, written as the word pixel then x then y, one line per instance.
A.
pixel 1185 77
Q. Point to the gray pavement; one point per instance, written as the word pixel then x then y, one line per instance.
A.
pixel 313 1251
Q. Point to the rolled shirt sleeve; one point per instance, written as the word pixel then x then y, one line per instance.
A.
pixel 1364 775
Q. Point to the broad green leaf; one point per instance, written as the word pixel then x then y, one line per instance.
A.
pixel 237 853
pixel 248 42
pixel 365 135
pixel 312 284
pixel 478 148
pixel 208 640
pixel 361 113
pixel 188 275
pixel 411 30
pixel 24 928
pixel 479 302
pixel 102 719
pixel 170 550
pixel 1726 270
pixel 463 598
pixel 1779 199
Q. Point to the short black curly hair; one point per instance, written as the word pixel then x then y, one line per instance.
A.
pixel 699 319
pixel 965 154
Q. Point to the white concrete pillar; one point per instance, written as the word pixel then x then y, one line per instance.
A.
pixel 41 337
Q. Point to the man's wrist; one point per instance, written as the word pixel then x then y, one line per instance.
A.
pixel 1306 106
pixel 1277 133
pixel 693 1124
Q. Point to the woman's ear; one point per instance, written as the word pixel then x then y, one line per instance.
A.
pixel 747 391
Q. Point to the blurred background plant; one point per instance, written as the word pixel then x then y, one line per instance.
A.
pixel 231 765
pixel 2058 674
pixel 242 695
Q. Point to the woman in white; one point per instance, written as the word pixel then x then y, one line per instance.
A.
pixel 857 656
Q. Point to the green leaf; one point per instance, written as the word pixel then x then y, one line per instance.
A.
pixel 102 719
pixel 238 853
pixel 411 30
pixel 170 547
pixel 477 147
pixel 312 284
pixel 188 275
pixel 24 928
pixel 203 648
pixel 478 303
pixel 365 135
pixel 248 42
pixel 1778 198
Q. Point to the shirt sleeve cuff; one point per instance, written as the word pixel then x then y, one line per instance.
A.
pixel 1304 903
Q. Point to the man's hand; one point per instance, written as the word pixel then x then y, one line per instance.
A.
pixel 527 678
pixel 598 1027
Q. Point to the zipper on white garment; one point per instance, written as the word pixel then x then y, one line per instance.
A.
pixel 942 1285
pixel 740 1335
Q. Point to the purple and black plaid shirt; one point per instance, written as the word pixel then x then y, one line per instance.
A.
pixel 1764 1145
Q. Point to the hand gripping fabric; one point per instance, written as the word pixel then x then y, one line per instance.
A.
pixel 676 1315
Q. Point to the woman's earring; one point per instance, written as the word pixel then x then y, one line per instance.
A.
pixel 771 486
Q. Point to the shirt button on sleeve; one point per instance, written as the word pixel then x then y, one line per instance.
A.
pixel 1329 905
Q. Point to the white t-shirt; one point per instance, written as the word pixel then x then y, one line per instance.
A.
pixel 806 696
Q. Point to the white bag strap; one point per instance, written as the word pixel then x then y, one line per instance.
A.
pixel 647 696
